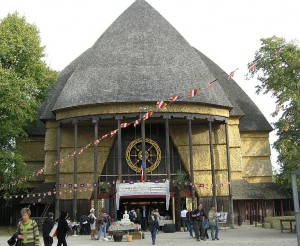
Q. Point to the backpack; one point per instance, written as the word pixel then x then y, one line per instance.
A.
pixel 91 219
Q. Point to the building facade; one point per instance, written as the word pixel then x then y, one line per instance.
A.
pixel 212 148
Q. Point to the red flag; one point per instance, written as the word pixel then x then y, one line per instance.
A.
pixel 124 125
pixel 161 104
pixel 147 115
pixel 193 93
pixel 211 84
pixel 136 122
pixel 252 67
pixel 277 52
pixel 113 132
pixel 174 98
pixel 230 76
pixel 96 142
pixel 104 136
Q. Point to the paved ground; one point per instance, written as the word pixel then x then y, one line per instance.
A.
pixel 244 235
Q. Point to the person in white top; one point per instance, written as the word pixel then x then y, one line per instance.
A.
pixel 183 219
pixel 92 221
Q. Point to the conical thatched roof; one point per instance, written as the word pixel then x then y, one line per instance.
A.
pixel 139 58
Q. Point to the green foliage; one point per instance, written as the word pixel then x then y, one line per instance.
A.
pixel 280 76
pixel 24 81
pixel 181 179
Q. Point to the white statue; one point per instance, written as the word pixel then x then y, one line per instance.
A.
pixel 125 217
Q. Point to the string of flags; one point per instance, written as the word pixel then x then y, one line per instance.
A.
pixel 159 104
pixel 70 188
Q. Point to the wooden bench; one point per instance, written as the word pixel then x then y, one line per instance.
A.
pixel 290 223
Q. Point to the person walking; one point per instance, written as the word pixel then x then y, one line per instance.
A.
pixel 144 218
pixel 27 230
pixel 190 221
pixel 183 219
pixel 156 212
pixel 62 229
pixel 46 228
pixel 153 225
pixel 84 225
pixel 92 222
pixel 213 223
pixel 198 215
pixel 104 223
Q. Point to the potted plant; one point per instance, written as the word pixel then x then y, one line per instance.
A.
pixel 118 236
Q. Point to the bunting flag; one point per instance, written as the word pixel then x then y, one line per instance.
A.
pixel 124 125
pixel 252 67
pixel 80 151
pixel 97 142
pixel 277 51
pixel 210 84
pixel 230 76
pixel 193 93
pixel 113 132
pixel 174 98
pixel 136 122
pixel 104 136
pixel 147 115
pixel 161 104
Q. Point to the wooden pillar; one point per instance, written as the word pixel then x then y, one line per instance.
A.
pixel 191 162
pixel 290 209
pixel 144 148
pixel 212 162
pixel 75 122
pixel 167 147
pixel 239 213
pixel 273 208
pixel 231 212
pixel 119 151
pixel 281 206
pixel 251 212
pixel 95 121
pixel 57 169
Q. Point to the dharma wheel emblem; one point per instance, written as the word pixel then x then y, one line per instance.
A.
pixel 134 155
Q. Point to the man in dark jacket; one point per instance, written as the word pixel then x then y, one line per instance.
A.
pixel 62 229
pixel 198 216
pixel 47 227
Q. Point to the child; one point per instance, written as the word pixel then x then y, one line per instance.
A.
pixel 206 226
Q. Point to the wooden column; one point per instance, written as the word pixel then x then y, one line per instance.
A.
pixel 168 168
pixel 75 122
pixel 273 208
pixel 57 169
pixel 191 162
pixel 119 151
pixel 231 212
pixel 95 122
pixel 212 163
pixel 143 148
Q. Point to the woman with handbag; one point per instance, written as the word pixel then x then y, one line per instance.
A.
pixel 28 232
pixel 153 225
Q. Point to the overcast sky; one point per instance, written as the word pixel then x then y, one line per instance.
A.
pixel 227 31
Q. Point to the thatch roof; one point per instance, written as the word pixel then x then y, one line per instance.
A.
pixel 139 58
pixel 40 196
pixel 253 119
pixel 243 190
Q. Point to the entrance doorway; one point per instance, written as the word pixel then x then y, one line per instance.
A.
pixel 149 203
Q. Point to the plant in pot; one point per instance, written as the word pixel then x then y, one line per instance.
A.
pixel 118 236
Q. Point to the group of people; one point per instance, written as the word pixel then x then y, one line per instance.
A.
pixel 100 224
pixel 199 222
pixel 28 232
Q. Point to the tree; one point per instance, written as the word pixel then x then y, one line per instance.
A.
pixel 24 81
pixel 278 70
